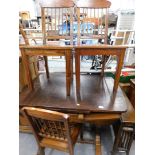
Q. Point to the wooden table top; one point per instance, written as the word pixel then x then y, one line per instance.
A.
pixel 95 95
pixel 61 45
pixel 49 45
pixel 102 46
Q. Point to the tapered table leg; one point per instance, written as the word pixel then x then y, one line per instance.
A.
pixel 103 65
pixel 27 69
pixel 46 66
pixel 118 71
pixel 98 144
pixel 77 70
pixel 68 72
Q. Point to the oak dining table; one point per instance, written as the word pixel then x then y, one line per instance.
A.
pixel 96 103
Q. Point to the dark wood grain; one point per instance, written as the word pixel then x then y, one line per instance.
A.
pixel 96 95
pixel 95 103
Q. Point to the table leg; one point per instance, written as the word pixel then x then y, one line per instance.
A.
pixel 68 72
pixel 72 66
pixel 46 66
pixel 27 69
pixel 119 67
pixel 103 65
pixel 41 151
pixel 77 70
pixel 98 144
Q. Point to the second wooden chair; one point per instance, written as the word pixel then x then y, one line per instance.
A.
pixel 52 129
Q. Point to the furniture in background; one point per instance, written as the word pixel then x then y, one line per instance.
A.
pixel 124 34
pixel 131 94
pixel 25 15
pixel 124 138
pixel 129 89
pixel 124 130
pixel 32 62
pixel 126 20
pixel 52 129
pixel 22 73
pixel 122 37
pixel 25 19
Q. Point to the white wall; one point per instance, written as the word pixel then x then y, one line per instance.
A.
pixel 122 4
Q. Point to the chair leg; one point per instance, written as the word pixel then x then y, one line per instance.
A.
pixel 41 151
pixel 81 135
pixel 71 151
pixel 103 65
pixel 113 152
pixel 127 153
pixel 46 66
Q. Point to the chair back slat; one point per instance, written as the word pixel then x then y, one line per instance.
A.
pixel 92 19
pixel 48 124
pixel 126 138
pixel 57 21
pixel 23 34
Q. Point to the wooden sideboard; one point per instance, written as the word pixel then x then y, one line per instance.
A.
pixel 22 73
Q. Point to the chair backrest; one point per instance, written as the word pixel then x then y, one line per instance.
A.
pixel 57 20
pixel 48 124
pixel 23 34
pixel 92 16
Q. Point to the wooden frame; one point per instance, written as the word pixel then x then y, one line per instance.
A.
pixel 52 129
pixel 119 51
pixel 59 9
pixel 48 51
pixel 93 8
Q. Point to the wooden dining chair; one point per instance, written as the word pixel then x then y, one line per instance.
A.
pixel 52 129
pixel 27 42
pixel 92 18
pixel 57 20
pixel 23 34
pixel 57 23
pixel 33 62
pixel 124 138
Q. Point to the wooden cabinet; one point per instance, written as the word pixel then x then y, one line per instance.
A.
pixel 24 125
pixel 22 73
pixel 129 89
